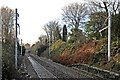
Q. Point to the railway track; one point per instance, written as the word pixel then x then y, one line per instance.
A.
pixel 46 68
pixel 40 70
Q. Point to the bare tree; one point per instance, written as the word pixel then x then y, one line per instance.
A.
pixel 74 14
pixel 46 30
pixel 53 30
pixel 43 39
pixel 8 43
pixel 7 24
pixel 102 5
pixel 99 17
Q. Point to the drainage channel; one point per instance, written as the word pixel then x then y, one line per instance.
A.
pixel 40 70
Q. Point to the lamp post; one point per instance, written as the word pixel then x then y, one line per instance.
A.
pixel 109 33
pixel 16 39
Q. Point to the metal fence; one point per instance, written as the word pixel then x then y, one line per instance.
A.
pixel 105 74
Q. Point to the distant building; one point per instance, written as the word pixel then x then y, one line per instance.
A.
pixel 27 47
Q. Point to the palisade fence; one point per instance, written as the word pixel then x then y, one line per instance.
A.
pixel 97 72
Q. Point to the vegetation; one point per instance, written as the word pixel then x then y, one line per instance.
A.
pixel 82 41
pixel 52 30
pixel 74 14
pixel 8 45
pixel 96 23
pixel 41 49
pixel 78 41
pixel 53 49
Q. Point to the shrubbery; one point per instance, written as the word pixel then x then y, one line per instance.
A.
pixel 41 49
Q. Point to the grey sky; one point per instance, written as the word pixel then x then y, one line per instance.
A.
pixel 34 14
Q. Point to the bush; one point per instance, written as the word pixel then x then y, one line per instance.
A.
pixel 8 65
pixel 41 49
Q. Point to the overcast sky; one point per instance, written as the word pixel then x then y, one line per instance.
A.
pixel 34 14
